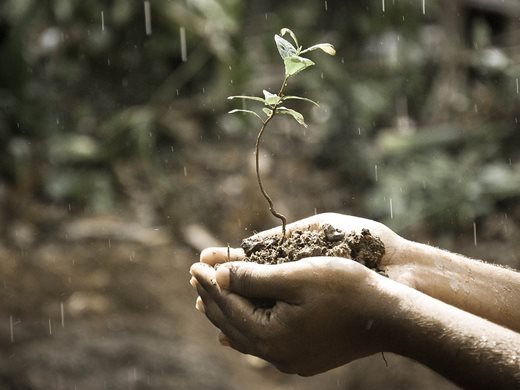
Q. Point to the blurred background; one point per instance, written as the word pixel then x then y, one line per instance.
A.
pixel 119 163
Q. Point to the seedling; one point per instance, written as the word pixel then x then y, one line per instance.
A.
pixel 273 103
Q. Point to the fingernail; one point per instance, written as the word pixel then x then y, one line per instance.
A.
pixel 193 282
pixel 199 305
pixel 222 277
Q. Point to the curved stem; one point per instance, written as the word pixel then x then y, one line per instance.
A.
pixel 275 213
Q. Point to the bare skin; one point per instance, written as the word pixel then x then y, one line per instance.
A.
pixel 329 311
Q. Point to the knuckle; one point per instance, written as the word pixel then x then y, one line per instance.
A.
pixel 241 280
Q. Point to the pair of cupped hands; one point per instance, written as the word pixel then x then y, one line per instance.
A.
pixel 327 311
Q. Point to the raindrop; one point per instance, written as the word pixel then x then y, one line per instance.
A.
pixel 11 328
pixel 475 233
pixel 184 52
pixel 108 61
pixel 375 170
pixel 391 209
pixel 50 327
pixel 109 244
pixel 326 6
pixel 383 5
pixel 476 108
pixel 185 171
pixel 359 130
pixel 424 7
pixel 315 209
pixel 102 21
pixel 147 18
pixel 62 312
pixel 517 86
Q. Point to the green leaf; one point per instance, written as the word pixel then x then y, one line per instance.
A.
pixel 271 99
pixel 256 98
pixel 283 31
pixel 300 98
pixel 326 47
pixel 295 114
pixel 285 48
pixel 296 64
pixel 246 111
pixel 267 111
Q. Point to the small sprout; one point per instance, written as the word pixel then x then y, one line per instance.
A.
pixel 294 63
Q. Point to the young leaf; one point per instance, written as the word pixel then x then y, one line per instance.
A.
pixel 271 99
pixel 293 36
pixel 267 111
pixel 246 111
pixel 326 47
pixel 295 114
pixel 285 48
pixel 300 98
pixel 295 64
pixel 256 98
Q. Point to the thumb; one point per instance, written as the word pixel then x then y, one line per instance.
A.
pixel 253 280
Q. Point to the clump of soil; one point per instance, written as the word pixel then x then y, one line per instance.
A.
pixel 327 241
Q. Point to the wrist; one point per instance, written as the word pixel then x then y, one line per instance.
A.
pixel 407 262
pixel 386 318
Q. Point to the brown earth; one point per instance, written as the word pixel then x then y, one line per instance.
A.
pixel 328 241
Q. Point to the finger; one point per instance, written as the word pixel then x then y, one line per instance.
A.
pixel 199 305
pixel 254 280
pixel 240 310
pixel 238 339
pixel 216 255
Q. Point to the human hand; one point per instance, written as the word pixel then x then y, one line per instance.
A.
pixel 326 311
pixel 396 263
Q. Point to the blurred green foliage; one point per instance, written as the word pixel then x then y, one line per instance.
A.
pixel 430 99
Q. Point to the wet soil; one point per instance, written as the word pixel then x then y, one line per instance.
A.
pixel 327 241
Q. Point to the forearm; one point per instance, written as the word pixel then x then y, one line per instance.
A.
pixel 486 290
pixel 470 351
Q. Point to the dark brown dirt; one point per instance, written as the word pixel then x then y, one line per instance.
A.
pixel 329 241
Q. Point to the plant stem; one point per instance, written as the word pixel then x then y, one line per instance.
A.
pixel 275 213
